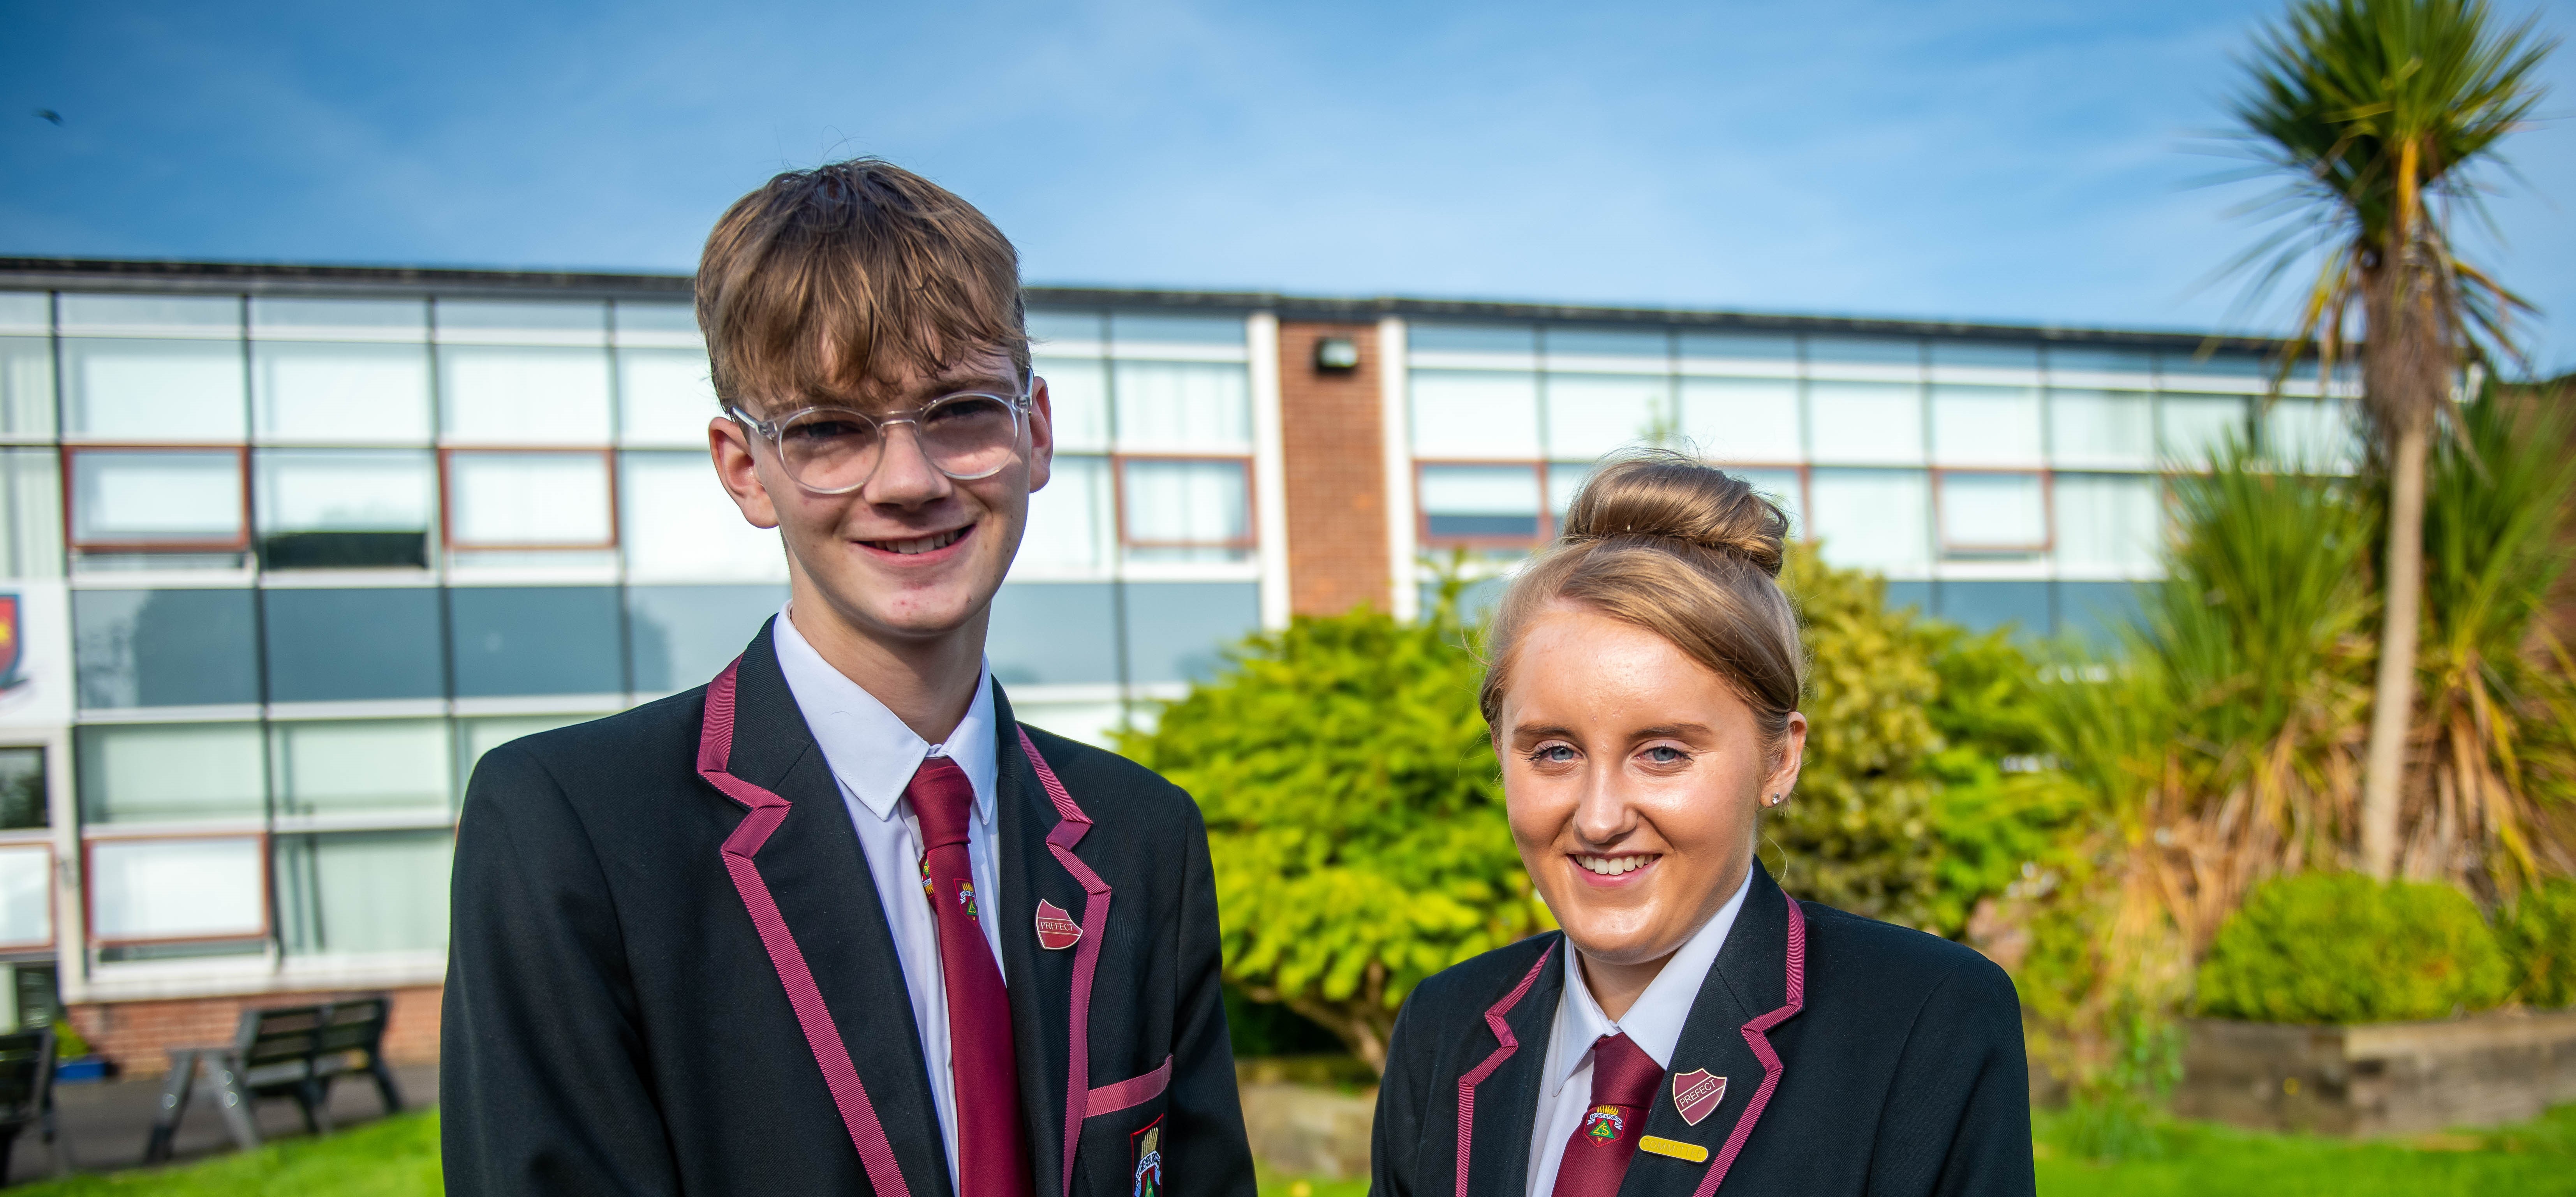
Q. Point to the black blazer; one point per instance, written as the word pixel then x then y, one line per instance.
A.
pixel 1858 1057
pixel 670 973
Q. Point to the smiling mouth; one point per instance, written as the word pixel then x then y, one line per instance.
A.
pixel 1614 866
pixel 920 544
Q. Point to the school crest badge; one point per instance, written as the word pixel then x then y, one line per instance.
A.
pixel 1602 1125
pixel 11 652
pixel 1696 1094
pixel 1148 1149
pixel 966 898
pixel 1056 928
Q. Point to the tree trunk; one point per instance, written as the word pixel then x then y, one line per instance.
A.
pixel 2393 700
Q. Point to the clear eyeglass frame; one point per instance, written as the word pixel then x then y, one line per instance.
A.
pixel 772 431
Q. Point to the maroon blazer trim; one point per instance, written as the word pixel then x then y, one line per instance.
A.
pixel 1070 826
pixel 765 811
pixel 1756 1036
pixel 1494 1018
pixel 1132 1092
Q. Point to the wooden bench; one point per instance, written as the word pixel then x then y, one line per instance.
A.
pixel 293 1052
pixel 27 1094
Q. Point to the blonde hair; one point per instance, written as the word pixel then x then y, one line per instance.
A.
pixel 1684 550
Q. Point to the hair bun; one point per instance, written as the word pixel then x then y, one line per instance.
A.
pixel 1658 493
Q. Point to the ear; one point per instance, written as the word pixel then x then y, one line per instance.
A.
pixel 1041 435
pixel 739 469
pixel 1793 757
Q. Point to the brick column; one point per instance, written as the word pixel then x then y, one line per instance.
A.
pixel 1333 444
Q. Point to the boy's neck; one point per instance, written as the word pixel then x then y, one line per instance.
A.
pixel 928 682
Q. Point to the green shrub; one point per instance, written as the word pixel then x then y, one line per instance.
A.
pixel 2342 948
pixel 2539 936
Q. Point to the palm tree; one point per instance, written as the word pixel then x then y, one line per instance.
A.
pixel 2379 112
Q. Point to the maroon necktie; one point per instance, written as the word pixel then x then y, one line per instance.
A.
pixel 1624 1079
pixel 992 1156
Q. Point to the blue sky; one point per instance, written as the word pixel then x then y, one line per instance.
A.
pixel 1979 159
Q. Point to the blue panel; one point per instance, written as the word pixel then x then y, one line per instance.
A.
pixel 1177 631
pixel 682 636
pixel 1985 606
pixel 536 640
pixel 1917 595
pixel 1054 634
pixel 2098 611
pixel 337 645
pixel 164 648
pixel 1474 338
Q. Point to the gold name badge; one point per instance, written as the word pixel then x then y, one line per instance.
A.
pixel 1691 1152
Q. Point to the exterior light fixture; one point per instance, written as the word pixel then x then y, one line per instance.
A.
pixel 1336 355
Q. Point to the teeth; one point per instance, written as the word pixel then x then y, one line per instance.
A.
pixel 921 544
pixel 1612 866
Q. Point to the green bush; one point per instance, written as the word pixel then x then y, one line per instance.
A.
pixel 2539 935
pixel 2342 948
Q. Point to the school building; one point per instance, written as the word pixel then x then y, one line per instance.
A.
pixel 284 549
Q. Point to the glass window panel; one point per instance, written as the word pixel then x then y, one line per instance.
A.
pixel 664 397
pixel 638 317
pixel 1078 400
pixel 581 323
pixel 2101 361
pixel 164 648
pixel 2101 428
pixel 2223 364
pixel 2194 428
pixel 153 390
pixel 1866 421
pixel 1606 342
pixel 1070 519
pixel 1054 634
pixel 24 803
pixel 26 894
pixel 27 311
pixel 146 496
pixel 361 766
pixel 1480 501
pixel 340 319
pixel 31 514
pixel 536 640
pixel 1183 405
pixel 1872 519
pixel 1058 324
pixel 1150 327
pixel 1747 346
pixel 2107 521
pixel 184 315
pixel 524 394
pixel 682 636
pixel 1781 487
pixel 527 499
pixel 1179 631
pixel 1471 338
pixel 358 892
pixel 1985 425
pixel 345 490
pixel 26 386
pixel 1475 413
pixel 1993 511
pixel 334 644
pixel 679 522
pixel 1987 355
pixel 177 889
pixel 2311 434
pixel 1871 351
pixel 1589 415
pixel 474 737
pixel 1186 503
pixel 159 772
pixel 322 390
pixel 1985 606
pixel 1741 419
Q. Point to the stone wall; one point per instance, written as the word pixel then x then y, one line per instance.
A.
pixel 2380 1079
pixel 1309 1130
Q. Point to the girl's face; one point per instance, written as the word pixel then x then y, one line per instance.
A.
pixel 1632 776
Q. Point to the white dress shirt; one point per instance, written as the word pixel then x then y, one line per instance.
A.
pixel 873 756
pixel 1654 1024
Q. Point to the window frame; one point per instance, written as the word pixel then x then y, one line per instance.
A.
pixel 40 837
pixel 1546 517
pixel 71 535
pixel 2047 542
pixel 447 499
pixel 261 836
pixel 1249 542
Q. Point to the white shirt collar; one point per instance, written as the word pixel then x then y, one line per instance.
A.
pixel 870 751
pixel 1654 1023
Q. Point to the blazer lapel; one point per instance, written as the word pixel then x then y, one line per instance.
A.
pixel 1756 983
pixel 810 869
pixel 1048 986
pixel 1498 1095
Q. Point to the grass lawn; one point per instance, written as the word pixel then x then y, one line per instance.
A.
pixel 398 1157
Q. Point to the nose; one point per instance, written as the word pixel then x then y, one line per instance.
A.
pixel 904 476
pixel 1603 815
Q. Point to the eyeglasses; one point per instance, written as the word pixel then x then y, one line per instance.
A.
pixel 834 450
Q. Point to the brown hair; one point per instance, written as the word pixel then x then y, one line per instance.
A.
pixel 1684 550
pixel 826 279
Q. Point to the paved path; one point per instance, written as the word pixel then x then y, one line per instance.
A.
pixel 107 1123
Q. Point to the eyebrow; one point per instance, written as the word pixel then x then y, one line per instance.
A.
pixel 1673 731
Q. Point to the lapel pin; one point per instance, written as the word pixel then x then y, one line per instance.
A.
pixel 1057 930
pixel 1691 1153
pixel 1696 1093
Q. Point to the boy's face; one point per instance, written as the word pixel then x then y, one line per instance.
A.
pixel 867 553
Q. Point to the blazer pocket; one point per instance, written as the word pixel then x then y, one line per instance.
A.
pixel 1130 1093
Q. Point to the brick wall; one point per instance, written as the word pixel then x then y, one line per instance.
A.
pixel 1332 440
pixel 139 1035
